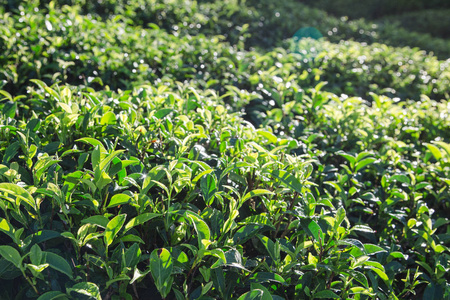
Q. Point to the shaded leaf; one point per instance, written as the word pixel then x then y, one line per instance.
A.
pixel 58 263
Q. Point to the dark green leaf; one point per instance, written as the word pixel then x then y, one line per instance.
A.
pixel 53 295
pixel 58 263
pixel 313 229
pixel 139 220
pixel 11 255
pixel 326 294
pixel 252 295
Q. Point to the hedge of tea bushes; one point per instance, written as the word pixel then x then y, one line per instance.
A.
pixel 166 164
pixel 262 24
pixel 432 21
pixel 371 9
pixel 115 53
pixel 162 190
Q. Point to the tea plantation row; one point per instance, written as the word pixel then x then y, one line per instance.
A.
pixel 188 167
pixel 119 55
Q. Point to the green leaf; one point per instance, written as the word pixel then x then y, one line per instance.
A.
pixel 397 254
pixel 96 157
pixel 9 108
pixel 201 175
pixel 262 219
pixel 272 248
pixel 132 256
pixel 246 232
pixel 266 294
pixel 104 163
pixel 58 263
pixel 41 236
pixel 7 96
pixel 255 193
pixel 118 199
pixel 36 255
pixel 11 255
pixel 19 193
pixel 349 157
pixel 325 294
pixel 8 270
pixel 365 162
pixel 121 277
pixel 252 295
pixel 433 291
pixel 400 178
pixel 445 146
pixel 268 135
pixel 7 228
pixel 163 112
pixel 340 217
pixel 216 253
pixel 113 227
pixel 155 174
pixel 103 180
pixel 261 277
pixel 289 180
pixel 434 150
pixel 86 288
pixel 218 278
pixel 372 249
pixel 109 118
pixel 161 266
pixel 381 274
pixel 353 242
pixel 53 295
pixel 131 238
pixel 139 220
pixel 358 276
pixel 100 221
pixel 11 152
pixel 202 229
pixel 362 228
pixel 93 142
pixel 208 185
pixel 374 264
pixel 313 229
pixel 42 166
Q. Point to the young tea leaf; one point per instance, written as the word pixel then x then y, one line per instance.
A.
pixel 113 227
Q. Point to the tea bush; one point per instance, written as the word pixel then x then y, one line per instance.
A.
pixel 101 191
pixel 263 23
pixel 144 161
pixel 115 53
pixel 371 9
pixel 432 21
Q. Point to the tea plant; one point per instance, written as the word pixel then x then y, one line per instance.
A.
pixel 142 157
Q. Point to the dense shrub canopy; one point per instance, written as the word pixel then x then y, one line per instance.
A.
pixel 194 150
